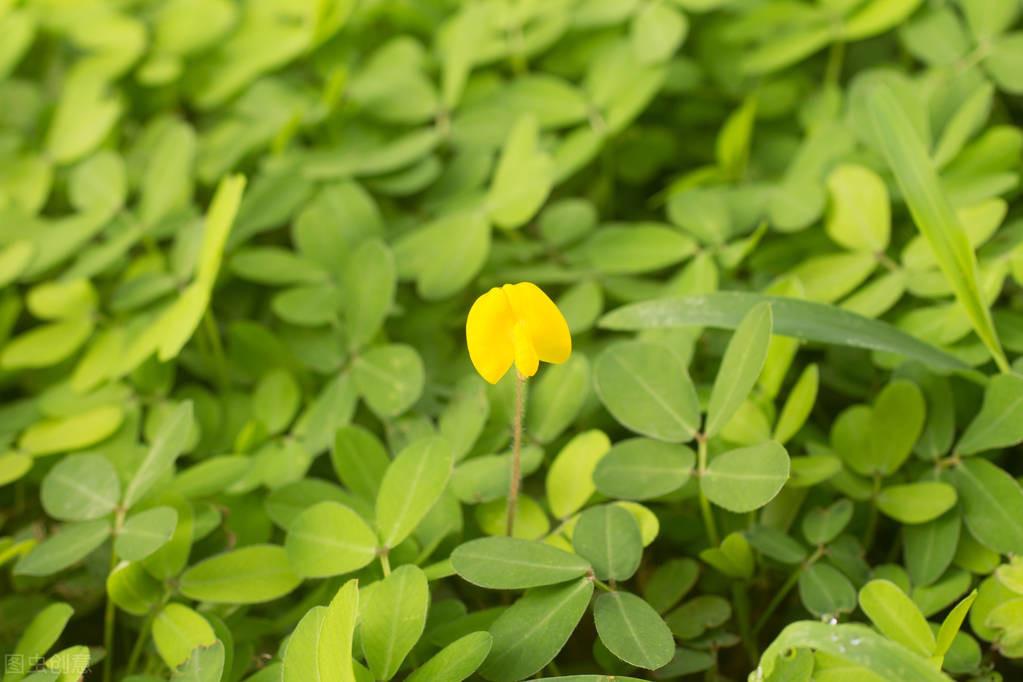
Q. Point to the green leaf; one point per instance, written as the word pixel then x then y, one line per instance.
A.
pixel 523 177
pixel 670 582
pixel 373 159
pixel 13 466
pixel 880 655
pixel 456 661
pixel 177 631
pixel 40 635
pixel 14 259
pixel 989 19
pixel 531 521
pixel 774 55
pixel 68 546
pixel 570 476
pixel 80 488
pixel 485 478
pixel 821 525
pixel 939 596
pixel 997 425
pixel 829 277
pixel 70 663
pixel 825 591
pixel 390 378
pixel 360 460
pixel 529 634
pixel 61 300
pixel 169 174
pixel 249 575
pixel 791 317
pixel 71 433
pixel 276 400
pixel 657 31
pixel 776 544
pixel 859 217
pixel 204 664
pixel 308 306
pixel 170 559
pixel 735 137
pixel 734 557
pixel 698 615
pixel 917 502
pixel 633 249
pixel 646 388
pixel 930 547
pixel 934 217
pixel 393 618
pixel 740 367
pixel 609 538
pixel 411 486
pixel 643 469
pixel 557 397
pixel 446 254
pixel 632 630
pixel 275 266
pixel 301 652
pixel 46 345
pixel 145 532
pixel 514 564
pixel 896 422
pixel 992 505
pixel 329 539
pixel 896 616
pixel 132 589
pixel 1004 61
pixel 950 626
pixel 877 16
pixel 371 279
pixel 798 406
pixel 337 633
pixel 169 442
pixel 85 113
pixel 747 478
pixel 210 476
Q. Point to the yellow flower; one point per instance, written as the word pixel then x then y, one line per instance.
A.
pixel 516 323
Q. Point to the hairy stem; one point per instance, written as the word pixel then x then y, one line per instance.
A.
pixel 516 463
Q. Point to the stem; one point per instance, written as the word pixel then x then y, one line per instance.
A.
pixel 385 563
pixel 868 538
pixel 705 510
pixel 110 614
pixel 783 592
pixel 516 463
pixel 140 643
pixel 741 598
pixel 835 58
pixel 210 327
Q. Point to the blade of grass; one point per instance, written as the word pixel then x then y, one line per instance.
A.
pixel 933 215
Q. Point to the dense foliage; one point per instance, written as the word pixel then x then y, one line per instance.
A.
pixel 240 435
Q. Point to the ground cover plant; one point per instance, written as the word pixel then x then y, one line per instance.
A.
pixel 749 407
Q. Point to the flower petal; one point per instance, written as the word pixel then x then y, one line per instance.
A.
pixel 546 325
pixel 489 336
pixel 526 360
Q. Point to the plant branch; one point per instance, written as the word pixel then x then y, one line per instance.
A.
pixel 516 464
